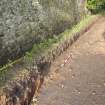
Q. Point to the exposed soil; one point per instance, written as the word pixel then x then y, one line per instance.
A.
pixel 82 80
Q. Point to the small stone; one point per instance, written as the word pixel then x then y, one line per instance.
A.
pixel 62 65
pixel 104 84
pixel 94 93
pixel 35 100
pixel 79 92
pixel 61 85
pixel 73 75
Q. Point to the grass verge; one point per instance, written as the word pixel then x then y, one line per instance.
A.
pixel 52 42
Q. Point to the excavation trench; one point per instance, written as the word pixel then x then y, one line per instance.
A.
pixel 21 92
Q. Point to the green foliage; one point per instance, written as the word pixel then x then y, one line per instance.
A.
pixel 96 6
pixel 56 39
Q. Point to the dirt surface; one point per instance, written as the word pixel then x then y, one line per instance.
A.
pixel 82 80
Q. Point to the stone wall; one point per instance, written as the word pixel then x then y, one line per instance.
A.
pixel 25 22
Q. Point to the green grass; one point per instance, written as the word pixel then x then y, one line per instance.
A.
pixel 50 43
pixel 77 28
pixel 6 67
